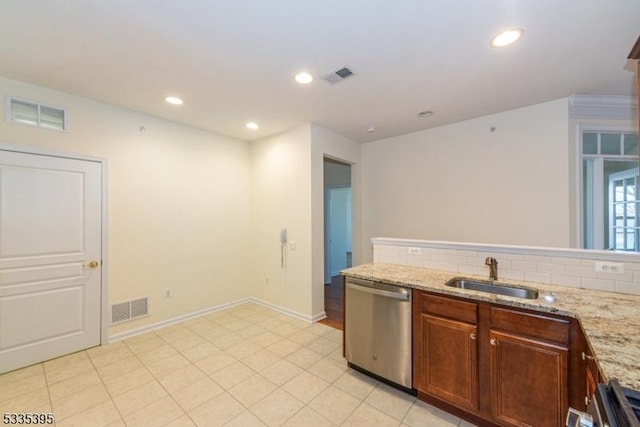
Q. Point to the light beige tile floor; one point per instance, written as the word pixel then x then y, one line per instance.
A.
pixel 244 366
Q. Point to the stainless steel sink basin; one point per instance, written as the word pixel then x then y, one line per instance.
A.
pixel 493 288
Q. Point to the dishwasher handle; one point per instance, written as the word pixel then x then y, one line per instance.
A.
pixel 405 296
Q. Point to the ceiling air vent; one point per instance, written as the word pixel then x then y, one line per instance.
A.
pixel 337 76
pixel 34 114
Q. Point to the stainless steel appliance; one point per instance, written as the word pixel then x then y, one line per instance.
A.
pixel 612 406
pixel 378 330
pixel 615 406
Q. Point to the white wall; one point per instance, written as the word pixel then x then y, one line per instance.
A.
pixel 288 191
pixel 179 202
pixel 198 212
pixel 325 143
pixel 281 188
pixel 462 182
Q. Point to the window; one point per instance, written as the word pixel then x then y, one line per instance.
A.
pixel 610 190
pixel 623 208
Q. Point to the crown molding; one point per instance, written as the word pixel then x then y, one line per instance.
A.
pixel 613 107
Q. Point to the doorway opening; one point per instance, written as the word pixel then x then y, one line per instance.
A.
pixel 610 195
pixel 337 236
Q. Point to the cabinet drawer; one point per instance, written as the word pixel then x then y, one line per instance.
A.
pixel 449 308
pixel 529 324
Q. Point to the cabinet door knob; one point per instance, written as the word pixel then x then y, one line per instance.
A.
pixel 586 400
pixel 587 357
pixel 472 336
pixel 493 341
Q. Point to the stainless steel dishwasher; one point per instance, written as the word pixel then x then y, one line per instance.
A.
pixel 378 330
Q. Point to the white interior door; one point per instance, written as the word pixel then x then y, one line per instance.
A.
pixel 50 232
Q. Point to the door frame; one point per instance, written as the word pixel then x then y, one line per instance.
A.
pixel 104 167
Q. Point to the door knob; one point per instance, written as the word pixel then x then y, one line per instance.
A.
pixel 472 336
pixel 493 341
pixel 92 264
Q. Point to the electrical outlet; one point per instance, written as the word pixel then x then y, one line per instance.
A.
pixel 167 293
pixel 609 267
pixel 415 251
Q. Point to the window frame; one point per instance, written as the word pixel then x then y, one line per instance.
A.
pixel 582 128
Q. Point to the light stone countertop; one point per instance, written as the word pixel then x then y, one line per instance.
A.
pixel 611 321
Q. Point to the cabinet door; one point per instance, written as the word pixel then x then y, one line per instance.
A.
pixel 528 381
pixel 448 367
pixel 591 382
pixel 592 377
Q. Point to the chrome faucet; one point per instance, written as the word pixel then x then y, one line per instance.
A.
pixel 493 268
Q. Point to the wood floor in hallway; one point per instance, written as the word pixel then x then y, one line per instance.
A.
pixel 333 303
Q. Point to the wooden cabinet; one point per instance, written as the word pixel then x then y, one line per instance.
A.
pixel 529 355
pixel 502 365
pixel 584 372
pixel 591 376
pixel 528 381
pixel 446 350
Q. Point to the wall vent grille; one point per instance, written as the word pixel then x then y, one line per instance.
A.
pixel 337 76
pixel 129 310
pixel 32 113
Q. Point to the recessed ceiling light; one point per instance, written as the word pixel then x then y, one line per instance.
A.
pixel 252 126
pixel 173 100
pixel 424 114
pixel 304 78
pixel 507 38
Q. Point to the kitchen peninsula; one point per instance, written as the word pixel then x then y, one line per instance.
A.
pixel 610 320
pixel 567 339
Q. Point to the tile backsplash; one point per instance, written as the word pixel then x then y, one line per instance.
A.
pixel 565 267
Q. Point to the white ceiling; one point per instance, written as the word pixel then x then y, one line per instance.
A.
pixel 233 61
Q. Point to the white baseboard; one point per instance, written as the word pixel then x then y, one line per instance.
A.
pixel 174 320
pixel 310 319
pixel 163 324
pixel 319 316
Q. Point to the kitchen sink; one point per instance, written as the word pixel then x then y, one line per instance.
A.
pixel 493 288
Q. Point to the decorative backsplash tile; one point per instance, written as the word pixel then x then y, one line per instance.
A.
pixel 564 267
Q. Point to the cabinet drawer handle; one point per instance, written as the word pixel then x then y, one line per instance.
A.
pixel 586 400
pixel 472 336
pixel 493 341
pixel 587 357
